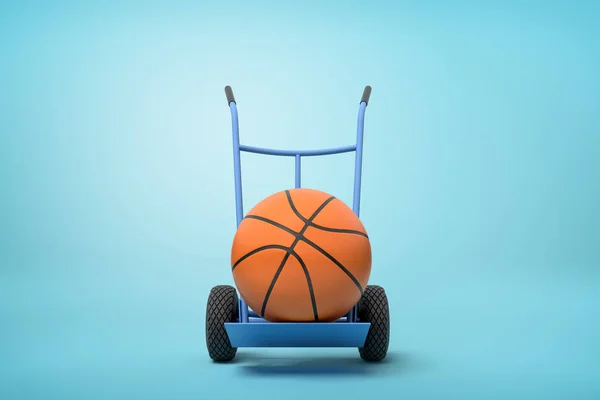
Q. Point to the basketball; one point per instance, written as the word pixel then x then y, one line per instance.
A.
pixel 301 255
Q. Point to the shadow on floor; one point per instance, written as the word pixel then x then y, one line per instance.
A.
pixel 352 364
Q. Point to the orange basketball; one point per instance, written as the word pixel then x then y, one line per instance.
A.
pixel 301 255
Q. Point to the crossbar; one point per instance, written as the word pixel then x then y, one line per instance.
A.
pixel 301 153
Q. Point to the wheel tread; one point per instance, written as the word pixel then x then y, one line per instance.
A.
pixel 222 307
pixel 373 307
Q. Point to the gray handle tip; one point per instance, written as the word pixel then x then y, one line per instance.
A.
pixel 366 95
pixel 229 94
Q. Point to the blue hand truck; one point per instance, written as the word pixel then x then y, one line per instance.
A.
pixel 231 324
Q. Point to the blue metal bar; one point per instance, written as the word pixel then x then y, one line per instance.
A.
pixel 237 165
pixel 293 153
pixel 299 334
pixel 255 320
pixel 353 314
pixel 237 172
pixel 255 316
pixel 298 170
pixel 359 156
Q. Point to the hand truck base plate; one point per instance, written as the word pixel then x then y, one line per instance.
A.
pixel 297 334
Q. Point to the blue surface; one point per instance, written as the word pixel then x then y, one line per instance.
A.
pixel 481 187
pixel 287 334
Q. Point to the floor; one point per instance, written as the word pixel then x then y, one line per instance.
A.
pixel 89 337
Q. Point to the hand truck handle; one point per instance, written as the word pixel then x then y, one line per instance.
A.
pixel 229 94
pixel 364 99
pixel 366 95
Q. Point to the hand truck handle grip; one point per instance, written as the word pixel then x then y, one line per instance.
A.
pixel 229 94
pixel 366 95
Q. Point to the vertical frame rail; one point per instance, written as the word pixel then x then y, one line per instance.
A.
pixel 352 315
pixel 237 174
pixel 298 170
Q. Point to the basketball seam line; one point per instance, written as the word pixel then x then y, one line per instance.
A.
pixel 294 233
pixel 258 250
pixel 317 226
pixel 319 249
pixel 272 285
pixel 313 245
pixel 300 261
pixel 311 291
pixel 299 237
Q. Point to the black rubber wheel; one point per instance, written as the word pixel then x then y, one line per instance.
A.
pixel 222 306
pixel 373 307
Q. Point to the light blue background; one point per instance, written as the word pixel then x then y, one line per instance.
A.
pixel 481 191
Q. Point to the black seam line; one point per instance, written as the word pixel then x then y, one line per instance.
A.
pixel 335 230
pixel 272 285
pixel 299 236
pixel 295 210
pixel 276 246
pixel 336 262
pixel 310 286
pixel 306 273
pixel 307 241
pixel 313 245
pixel 316 226
pixel 274 223
pixel 258 250
pixel 317 211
